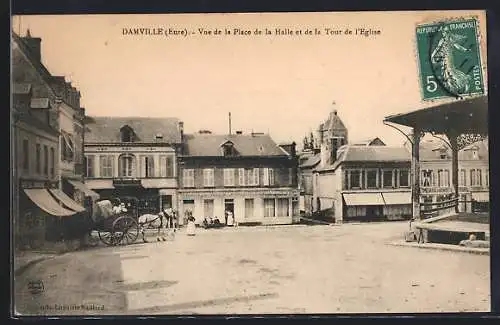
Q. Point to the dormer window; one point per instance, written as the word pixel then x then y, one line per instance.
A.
pixel 127 134
pixel 228 149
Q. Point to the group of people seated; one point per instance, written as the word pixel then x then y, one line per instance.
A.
pixel 209 222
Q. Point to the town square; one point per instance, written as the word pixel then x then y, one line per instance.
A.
pixel 244 179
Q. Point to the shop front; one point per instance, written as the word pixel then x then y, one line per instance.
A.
pixel 45 213
pixel 251 206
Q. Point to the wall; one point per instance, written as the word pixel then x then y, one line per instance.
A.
pixel 282 168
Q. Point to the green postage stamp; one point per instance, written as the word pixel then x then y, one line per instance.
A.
pixel 449 59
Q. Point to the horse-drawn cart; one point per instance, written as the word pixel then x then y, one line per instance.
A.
pixel 114 226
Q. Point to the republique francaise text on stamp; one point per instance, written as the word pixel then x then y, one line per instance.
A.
pixel 449 59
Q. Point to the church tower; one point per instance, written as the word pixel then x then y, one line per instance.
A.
pixel 332 134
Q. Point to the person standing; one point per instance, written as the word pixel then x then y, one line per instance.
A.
pixel 230 218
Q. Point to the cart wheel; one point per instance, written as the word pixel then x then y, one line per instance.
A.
pixel 107 237
pixel 127 229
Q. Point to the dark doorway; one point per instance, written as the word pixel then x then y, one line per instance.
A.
pixel 228 206
pixel 374 213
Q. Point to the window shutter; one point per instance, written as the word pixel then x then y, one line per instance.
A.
pixel 142 166
pixel 241 176
pixel 265 179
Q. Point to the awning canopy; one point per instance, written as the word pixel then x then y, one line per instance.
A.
pixel 481 196
pixel 363 198
pixel 45 201
pixel 464 116
pixel 66 200
pixel 397 198
pixel 80 186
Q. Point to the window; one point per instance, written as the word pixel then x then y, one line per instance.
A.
pixel 249 208
pixel 90 166
pixel 166 166
pixel 38 154
pixel 426 178
pixel 387 178
pixel 127 165
pixel 45 160
pixel 149 166
pixel 283 207
pixel 269 208
pixel 208 177
pixel 241 176
pixel 188 177
pixel 355 179
pixel 228 177
pixel 228 149
pixel 252 176
pixel 268 179
pixel 208 208
pixel 371 179
pixel 67 147
pixel 106 168
pixel 290 176
pixel 127 134
pixel 487 177
pixel 404 178
pixel 52 161
pixel 443 178
pixel 475 177
pixel 26 155
pixel 462 180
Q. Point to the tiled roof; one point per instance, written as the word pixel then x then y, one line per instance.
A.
pixel 352 153
pixel 208 145
pixel 21 88
pixel 310 161
pixel 333 122
pixel 431 150
pixel 106 129
pixel 480 146
pixel 39 103
pixel 369 142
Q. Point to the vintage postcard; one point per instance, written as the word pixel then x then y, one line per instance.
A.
pixel 250 164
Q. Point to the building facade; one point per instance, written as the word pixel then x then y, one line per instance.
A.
pixel 365 183
pixel 39 204
pixel 308 160
pixel 249 175
pixel 134 157
pixel 473 174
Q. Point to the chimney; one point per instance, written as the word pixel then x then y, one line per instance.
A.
pixel 34 44
pixel 181 130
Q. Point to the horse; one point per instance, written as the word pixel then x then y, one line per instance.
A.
pixel 158 221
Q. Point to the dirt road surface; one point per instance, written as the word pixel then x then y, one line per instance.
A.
pixel 262 270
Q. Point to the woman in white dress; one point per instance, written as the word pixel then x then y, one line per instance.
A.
pixel 191 227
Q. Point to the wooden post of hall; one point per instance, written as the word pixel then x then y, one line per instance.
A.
pixel 415 171
pixel 452 136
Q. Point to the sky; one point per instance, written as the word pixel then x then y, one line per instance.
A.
pixel 284 85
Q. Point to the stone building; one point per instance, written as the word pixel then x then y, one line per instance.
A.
pixel 247 174
pixel 473 174
pixel 365 183
pixel 134 157
pixel 45 116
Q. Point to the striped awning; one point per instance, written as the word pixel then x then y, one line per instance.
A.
pixel 397 198
pixel 80 186
pixel 66 200
pixel 363 199
pixel 45 201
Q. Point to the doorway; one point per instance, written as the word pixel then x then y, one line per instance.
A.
pixel 374 213
pixel 228 206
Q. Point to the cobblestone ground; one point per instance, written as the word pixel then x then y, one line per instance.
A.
pixel 290 269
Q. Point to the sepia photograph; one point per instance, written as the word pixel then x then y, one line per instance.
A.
pixel 250 164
